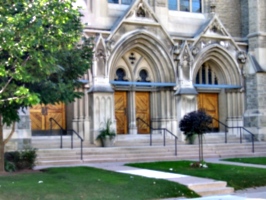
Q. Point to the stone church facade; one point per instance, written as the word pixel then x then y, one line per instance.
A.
pixel 160 59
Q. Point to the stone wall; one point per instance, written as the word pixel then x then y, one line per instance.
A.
pixel 229 12
pixel 244 18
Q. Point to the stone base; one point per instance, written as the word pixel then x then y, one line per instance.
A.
pixel 17 144
pixel 255 122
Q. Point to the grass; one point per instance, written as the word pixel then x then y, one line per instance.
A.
pixel 86 183
pixel 236 176
pixel 254 160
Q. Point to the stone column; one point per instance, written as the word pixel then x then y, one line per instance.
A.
pixel 185 103
pixel 132 124
pixel 255 113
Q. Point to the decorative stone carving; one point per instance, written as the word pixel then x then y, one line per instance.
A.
pixel 195 51
pixel 141 12
pixel 177 50
pixel 132 58
pixel 186 63
pixel 241 57
pixel 101 61
pixel 109 45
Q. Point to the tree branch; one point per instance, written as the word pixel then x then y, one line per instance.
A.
pixel 13 98
pixel 3 89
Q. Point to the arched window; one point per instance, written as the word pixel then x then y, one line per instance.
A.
pixel 206 75
pixel 185 5
pixel 143 74
pixel 120 74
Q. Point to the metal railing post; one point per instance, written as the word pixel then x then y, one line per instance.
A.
pixel 253 147
pixel 81 149
pixel 71 139
pixel 240 135
pixel 61 139
pixel 226 135
pixel 176 146
pixel 164 137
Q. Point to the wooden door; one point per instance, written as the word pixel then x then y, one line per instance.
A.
pixel 143 111
pixel 121 112
pixel 40 115
pixel 209 102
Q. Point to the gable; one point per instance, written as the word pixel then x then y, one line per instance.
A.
pixel 139 18
pixel 214 32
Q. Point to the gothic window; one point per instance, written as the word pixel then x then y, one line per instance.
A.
pixel 143 76
pixel 206 75
pixel 185 5
pixel 120 74
pixel 126 2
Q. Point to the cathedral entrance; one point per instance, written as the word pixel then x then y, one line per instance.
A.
pixel 121 112
pixel 143 111
pixel 209 102
pixel 40 115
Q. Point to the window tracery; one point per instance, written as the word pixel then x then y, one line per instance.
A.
pixel 206 75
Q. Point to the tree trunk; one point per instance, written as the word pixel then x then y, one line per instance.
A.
pixel 200 148
pixel 2 150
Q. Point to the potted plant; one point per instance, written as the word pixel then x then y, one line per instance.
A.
pixel 107 135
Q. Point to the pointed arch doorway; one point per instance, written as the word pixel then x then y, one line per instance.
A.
pixel 208 99
pixel 132 101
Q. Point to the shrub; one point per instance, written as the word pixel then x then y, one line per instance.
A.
pixel 24 159
pixel 196 122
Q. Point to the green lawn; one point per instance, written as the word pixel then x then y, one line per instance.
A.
pixel 86 183
pixel 236 176
pixel 255 160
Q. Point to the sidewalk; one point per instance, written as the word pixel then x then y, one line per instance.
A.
pixel 248 194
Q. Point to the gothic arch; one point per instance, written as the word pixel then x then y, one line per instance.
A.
pixel 226 66
pixel 162 67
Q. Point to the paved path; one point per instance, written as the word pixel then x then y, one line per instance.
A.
pixel 248 194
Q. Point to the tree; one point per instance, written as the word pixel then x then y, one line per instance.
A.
pixel 40 59
pixel 196 122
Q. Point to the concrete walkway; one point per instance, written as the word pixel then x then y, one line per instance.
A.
pixel 248 194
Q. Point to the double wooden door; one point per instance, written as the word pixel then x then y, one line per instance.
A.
pixel 142 102
pixel 40 115
pixel 143 111
pixel 209 102
pixel 121 112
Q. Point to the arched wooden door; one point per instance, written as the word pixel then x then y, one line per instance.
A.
pixel 209 102
pixel 40 115
pixel 143 111
pixel 121 112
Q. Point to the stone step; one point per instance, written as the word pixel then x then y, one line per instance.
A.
pixel 215 191
pixel 211 188
pixel 134 154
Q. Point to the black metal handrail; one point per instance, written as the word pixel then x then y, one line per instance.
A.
pixel 160 129
pixel 62 131
pixel 237 127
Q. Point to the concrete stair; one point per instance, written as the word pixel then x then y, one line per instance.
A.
pixel 211 188
pixel 135 149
